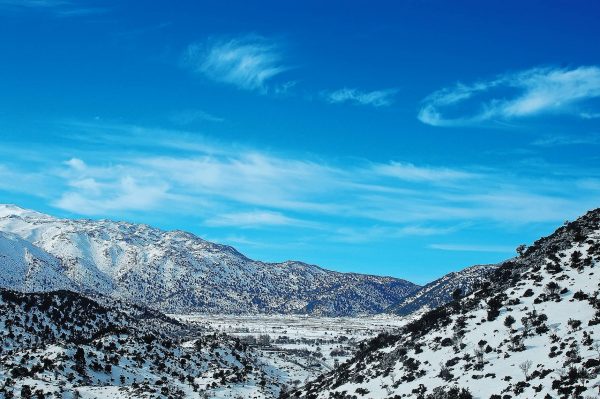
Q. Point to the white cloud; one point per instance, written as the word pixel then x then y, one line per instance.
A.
pixel 126 194
pixel 562 140
pixel 512 96
pixel 376 98
pixel 379 232
pixel 189 116
pixel 225 184
pixel 60 8
pixel 34 3
pixel 410 172
pixel 473 248
pixel 248 62
pixel 96 191
pixel 256 219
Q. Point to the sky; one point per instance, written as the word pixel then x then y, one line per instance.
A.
pixel 408 138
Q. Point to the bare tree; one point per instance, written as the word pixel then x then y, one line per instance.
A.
pixel 525 367
pixel 596 347
pixel 457 340
pixel 479 357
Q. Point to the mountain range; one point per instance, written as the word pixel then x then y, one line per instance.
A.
pixel 175 271
pixel 527 327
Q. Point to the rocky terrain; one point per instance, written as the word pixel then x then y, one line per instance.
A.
pixel 63 345
pixel 531 330
pixel 441 291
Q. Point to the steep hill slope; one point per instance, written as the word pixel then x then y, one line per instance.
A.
pixel 25 267
pixel 439 292
pixel 178 272
pixel 531 331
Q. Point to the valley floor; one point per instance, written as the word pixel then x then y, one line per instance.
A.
pixel 298 348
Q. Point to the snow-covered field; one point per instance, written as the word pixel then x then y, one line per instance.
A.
pixel 298 348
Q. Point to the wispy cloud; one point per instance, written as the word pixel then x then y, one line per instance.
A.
pixel 60 8
pixel 101 190
pixel 248 62
pixel 255 219
pixel 563 140
pixel 228 185
pixel 515 95
pixel 33 3
pixel 81 11
pixel 410 172
pixel 188 116
pixel 376 98
pixel 473 248
pixel 381 232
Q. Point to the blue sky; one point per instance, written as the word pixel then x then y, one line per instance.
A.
pixel 405 138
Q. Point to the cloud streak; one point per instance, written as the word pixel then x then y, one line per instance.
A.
pixel 226 186
pixel 512 96
pixel 249 62
pixel 473 248
pixel 60 8
pixel 257 219
pixel 376 98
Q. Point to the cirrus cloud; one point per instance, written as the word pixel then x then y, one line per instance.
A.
pixel 227 185
pixel 376 98
pixel 515 95
pixel 247 62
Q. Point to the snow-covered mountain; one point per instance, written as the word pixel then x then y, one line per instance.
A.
pixel 440 291
pixel 532 330
pixel 25 267
pixel 175 271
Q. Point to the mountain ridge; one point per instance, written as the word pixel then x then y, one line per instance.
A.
pixel 176 271
pixel 440 291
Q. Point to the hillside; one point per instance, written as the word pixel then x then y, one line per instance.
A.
pixel 25 267
pixel 440 291
pixel 63 345
pixel 178 272
pixel 532 330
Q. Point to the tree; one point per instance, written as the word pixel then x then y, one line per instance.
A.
pixel 79 359
pixel 552 288
pixel 576 260
pixel 457 294
pixel 521 249
pixel 596 347
pixel 509 321
pixel 525 367
pixel 479 357
pixel 26 391
pixel 445 372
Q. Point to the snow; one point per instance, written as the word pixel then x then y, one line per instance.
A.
pixel 386 372
pixel 179 272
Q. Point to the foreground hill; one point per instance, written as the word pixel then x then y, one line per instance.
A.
pixel 63 345
pixel 532 330
pixel 178 272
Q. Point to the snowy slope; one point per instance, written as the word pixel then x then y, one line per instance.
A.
pixel 61 344
pixel 178 272
pixel 531 331
pixel 439 292
pixel 25 267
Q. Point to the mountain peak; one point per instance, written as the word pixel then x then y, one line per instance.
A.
pixel 7 210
